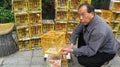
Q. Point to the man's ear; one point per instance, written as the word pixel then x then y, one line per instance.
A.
pixel 92 14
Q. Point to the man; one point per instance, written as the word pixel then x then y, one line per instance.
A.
pixel 96 43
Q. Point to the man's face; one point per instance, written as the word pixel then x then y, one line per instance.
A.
pixel 85 17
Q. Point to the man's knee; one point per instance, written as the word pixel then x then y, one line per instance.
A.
pixel 89 63
pixel 86 64
pixel 82 62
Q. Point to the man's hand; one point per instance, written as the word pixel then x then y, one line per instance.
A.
pixel 67 50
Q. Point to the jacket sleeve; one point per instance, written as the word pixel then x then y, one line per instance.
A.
pixel 96 40
pixel 75 33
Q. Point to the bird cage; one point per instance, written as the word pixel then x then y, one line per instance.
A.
pixel 119 31
pixel 111 25
pixel 53 42
pixel 21 8
pixel 53 61
pixel 61 4
pixel 23 33
pixel 61 15
pixel 21 20
pixel 57 61
pixel 36 31
pixel 64 63
pixel 107 15
pixel 35 18
pixel 71 26
pixel 74 4
pixel 35 42
pixel 116 26
pixel 73 17
pixel 28 18
pixel 98 12
pixel 34 5
pixel 85 1
pixel 115 6
pixel 24 45
pixel 116 16
pixel 48 25
pixel 115 33
pixel 68 37
pixel 59 26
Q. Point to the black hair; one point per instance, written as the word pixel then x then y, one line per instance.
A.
pixel 90 8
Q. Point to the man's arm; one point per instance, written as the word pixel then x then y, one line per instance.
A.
pixel 69 49
pixel 75 34
pixel 91 48
pixel 74 37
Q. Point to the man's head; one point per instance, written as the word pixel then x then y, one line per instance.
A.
pixel 86 13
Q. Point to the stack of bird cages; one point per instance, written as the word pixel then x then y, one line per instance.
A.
pixel 28 18
pixel 22 25
pixel 35 25
pixel 73 21
pixel 23 35
pixel 115 6
pixel 48 25
pixel 116 17
pixel 53 42
pixel 70 28
pixel 73 4
pixel 61 17
pixel 107 15
pixel 61 20
pixel 21 8
pixel 115 27
pixel 35 20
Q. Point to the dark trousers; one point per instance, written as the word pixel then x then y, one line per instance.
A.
pixel 94 61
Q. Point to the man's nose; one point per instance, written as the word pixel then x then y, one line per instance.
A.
pixel 81 17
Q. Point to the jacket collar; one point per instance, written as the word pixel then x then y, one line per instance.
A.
pixel 91 24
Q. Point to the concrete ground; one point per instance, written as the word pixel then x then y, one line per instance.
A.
pixel 35 58
pixel 32 58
